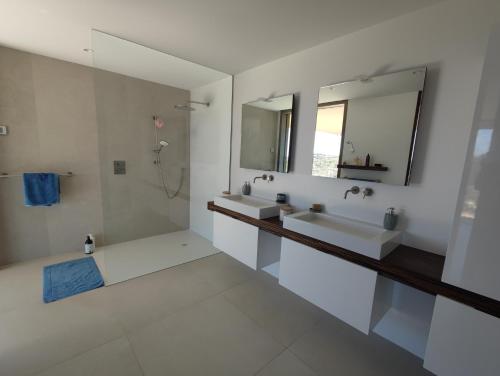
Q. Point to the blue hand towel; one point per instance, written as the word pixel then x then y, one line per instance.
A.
pixel 41 189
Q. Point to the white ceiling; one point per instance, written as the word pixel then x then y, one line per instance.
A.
pixel 227 35
pixel 131 59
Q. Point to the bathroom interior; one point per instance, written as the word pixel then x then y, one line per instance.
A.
pixel 184 194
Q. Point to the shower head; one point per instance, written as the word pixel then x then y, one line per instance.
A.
pixel 184 107
pixel 187 107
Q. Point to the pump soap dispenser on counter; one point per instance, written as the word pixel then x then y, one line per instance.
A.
pixel 390 219
pixel 246 188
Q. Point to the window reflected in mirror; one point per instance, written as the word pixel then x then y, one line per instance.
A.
pixel 328 138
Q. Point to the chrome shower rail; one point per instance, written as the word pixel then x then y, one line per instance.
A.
pixel 5 175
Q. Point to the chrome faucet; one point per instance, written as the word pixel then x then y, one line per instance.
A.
pixel 354 190
pixel 269 178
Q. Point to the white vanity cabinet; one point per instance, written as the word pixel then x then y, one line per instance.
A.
pixel 343 289
pixel 463 341
pixel 246 243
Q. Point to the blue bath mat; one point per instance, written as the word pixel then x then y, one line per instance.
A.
pixel 70 278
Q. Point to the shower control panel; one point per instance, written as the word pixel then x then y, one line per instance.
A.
pixel 119 167
pixel 3 130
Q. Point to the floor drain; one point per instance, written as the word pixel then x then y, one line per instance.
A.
pixel 184 244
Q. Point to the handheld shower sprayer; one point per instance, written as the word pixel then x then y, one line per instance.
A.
pixel 158 145
pixel 161 145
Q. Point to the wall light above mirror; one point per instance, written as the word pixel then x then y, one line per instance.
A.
pixel 366 128
pixel 266 132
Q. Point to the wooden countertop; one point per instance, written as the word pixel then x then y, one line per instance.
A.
pixel 411 266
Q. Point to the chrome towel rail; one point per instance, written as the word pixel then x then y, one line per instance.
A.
pixel 5 175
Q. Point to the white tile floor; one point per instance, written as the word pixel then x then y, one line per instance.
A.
pixel 212 316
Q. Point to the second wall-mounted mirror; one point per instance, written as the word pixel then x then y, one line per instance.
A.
pixel 266 132
pixel 365 129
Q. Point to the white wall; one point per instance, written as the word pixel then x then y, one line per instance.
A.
pixel 210 151
pixel 450 39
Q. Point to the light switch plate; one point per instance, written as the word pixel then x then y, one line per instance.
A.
pixel 4 130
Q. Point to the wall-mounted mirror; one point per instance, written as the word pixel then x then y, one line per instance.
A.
pixel 366 128
pixel 266 131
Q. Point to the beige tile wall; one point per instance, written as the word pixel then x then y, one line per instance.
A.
pixel 135 204
pixel 23 232
pixel 67 117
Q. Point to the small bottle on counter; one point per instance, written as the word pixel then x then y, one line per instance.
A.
pixel 281 198
pixel 89 245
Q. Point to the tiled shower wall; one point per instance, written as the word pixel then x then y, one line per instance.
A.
pixel 135 204
pixel 54 125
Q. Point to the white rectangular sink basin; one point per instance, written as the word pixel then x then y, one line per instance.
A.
pixel 360 237
pixel 254 207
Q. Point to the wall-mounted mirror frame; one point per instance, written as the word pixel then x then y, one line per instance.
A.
pixel 267 128
pixel 366 128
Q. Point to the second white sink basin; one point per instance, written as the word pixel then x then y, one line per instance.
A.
pixel 361 237
pixel 257 208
